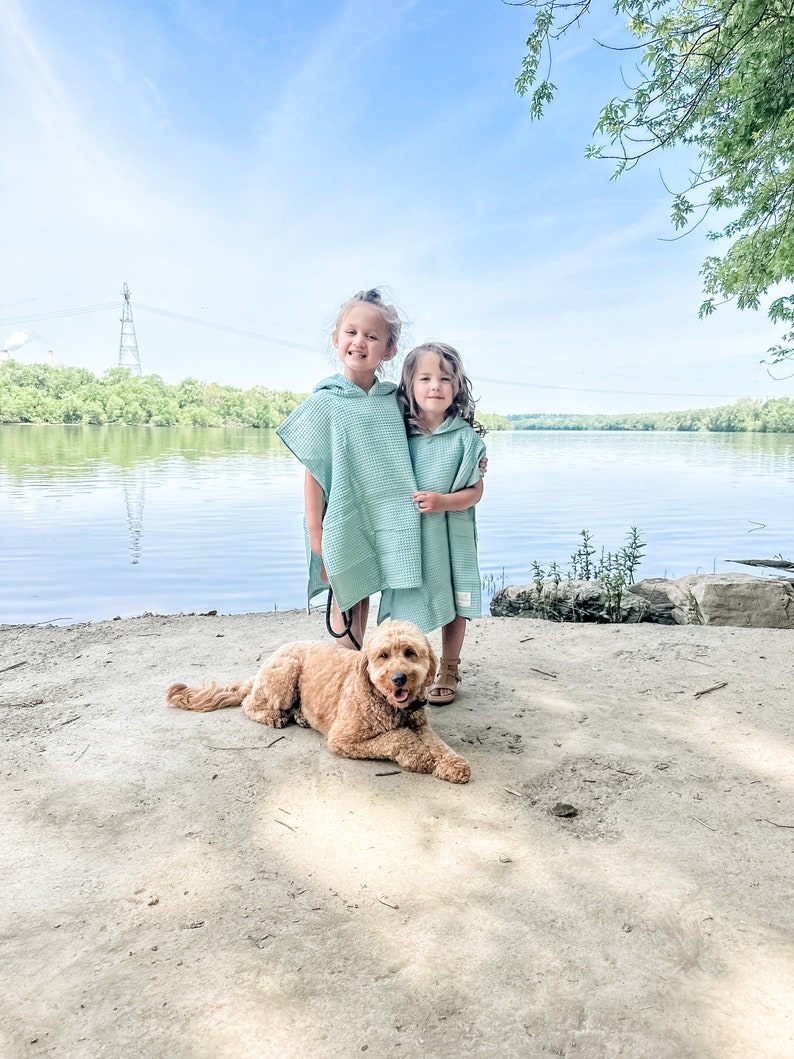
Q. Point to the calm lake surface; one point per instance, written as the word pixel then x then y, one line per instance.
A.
pixel 98 521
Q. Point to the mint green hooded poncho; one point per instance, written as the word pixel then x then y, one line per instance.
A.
pixel 444 462
pixel 353 443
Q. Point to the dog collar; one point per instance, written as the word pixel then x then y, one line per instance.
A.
pixel 416 705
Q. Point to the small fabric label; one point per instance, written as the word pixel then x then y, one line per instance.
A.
pixel 463 599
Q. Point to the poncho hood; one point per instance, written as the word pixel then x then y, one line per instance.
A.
pixel 345 388
pixel 449 426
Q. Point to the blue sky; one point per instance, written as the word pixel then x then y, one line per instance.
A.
pixel 250 165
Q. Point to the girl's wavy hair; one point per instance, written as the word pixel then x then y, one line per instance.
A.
pixel 389 313
pixel 462 401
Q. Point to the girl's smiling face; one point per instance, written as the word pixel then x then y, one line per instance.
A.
pixel 434 389
pixel 362 342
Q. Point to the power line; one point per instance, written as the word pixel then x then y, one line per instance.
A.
pixel 14 320
pixel 591 389
pixel 167 314
pixel 223 327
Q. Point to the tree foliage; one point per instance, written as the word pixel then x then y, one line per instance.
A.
pixel 492 421
pixel 716 76
pixel 38 393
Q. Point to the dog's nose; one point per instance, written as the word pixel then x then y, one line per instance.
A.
pixel 399 679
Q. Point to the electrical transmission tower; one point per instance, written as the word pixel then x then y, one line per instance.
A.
pixel 128 346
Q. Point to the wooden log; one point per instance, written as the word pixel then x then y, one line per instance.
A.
pixel 775 564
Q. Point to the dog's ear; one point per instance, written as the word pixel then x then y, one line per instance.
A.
pixel 362 664
pixel 432 665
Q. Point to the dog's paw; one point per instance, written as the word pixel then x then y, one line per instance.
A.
pixel 453 769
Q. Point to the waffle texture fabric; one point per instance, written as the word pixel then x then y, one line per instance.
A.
pixel 444 462
pixel 354 444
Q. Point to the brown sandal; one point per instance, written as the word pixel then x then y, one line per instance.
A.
pixel 447 680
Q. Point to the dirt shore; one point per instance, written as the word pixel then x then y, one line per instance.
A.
pixel 201 887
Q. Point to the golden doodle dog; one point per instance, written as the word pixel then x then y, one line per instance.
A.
pixel 368 703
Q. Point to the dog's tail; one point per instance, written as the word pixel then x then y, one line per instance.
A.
pixel 210 696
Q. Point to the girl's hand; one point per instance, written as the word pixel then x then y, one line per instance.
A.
pixel 429 503
pixel 316 545
pixel 483 465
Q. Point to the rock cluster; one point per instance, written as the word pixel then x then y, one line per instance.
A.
pixel 697 599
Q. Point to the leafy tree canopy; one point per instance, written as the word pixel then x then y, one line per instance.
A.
pixel 717 76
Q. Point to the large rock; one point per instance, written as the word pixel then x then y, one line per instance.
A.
pixel 721 599
pixel 568 600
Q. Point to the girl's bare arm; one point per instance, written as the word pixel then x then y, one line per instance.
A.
pixel 430 503
pixel 314 500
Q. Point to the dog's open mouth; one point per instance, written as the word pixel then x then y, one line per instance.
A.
pixel 400 696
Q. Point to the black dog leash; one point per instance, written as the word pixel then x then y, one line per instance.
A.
pixel 347 620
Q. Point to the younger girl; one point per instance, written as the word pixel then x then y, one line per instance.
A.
pixel 446 448
pixel 363 530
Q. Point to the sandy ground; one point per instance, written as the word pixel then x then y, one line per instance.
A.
pixel 199 886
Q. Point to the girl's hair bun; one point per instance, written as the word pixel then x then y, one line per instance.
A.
pixel 372 296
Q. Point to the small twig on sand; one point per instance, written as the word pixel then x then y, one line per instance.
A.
pixel 283 823
pixel 82 751
pixel 774 824
pixel 387 903
pixel 211 746
pixel 16 665
pixel 704 823
pixel 267 746
pixel 543 673
pixel 394 772
pixel 714 687
pixel 526 639
pixel 511 791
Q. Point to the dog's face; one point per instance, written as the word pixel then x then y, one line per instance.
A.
pixel 399 662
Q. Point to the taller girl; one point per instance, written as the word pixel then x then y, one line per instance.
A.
pixel 363 530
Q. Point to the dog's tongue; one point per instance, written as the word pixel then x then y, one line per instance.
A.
pixel 400 694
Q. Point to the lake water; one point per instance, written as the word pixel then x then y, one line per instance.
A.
pixel 98 522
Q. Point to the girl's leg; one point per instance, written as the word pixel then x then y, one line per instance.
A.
pixel 358 626
pixel 443 689
pixel 452 638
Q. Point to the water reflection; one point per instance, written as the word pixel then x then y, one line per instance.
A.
pixel 134 497
pixel 74 451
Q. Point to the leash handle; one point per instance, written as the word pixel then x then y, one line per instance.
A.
pixel 347 620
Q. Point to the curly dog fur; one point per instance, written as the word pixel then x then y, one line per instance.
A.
pixel 368 704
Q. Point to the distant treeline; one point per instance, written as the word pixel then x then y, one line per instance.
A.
pixel 771 417
pixel 39 393
pixel 491 421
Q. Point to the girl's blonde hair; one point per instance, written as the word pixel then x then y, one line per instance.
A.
pixel 462 401
pixel 389 313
